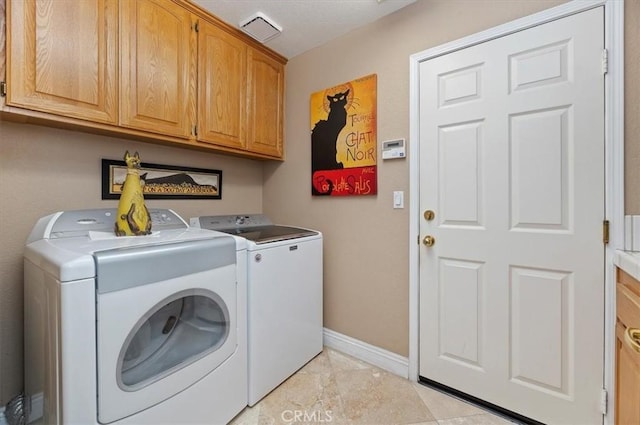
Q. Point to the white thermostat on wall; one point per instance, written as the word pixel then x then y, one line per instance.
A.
pixel 393 149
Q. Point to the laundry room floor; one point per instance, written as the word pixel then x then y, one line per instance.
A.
pixel 335 388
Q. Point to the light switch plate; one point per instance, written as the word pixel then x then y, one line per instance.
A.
pixel 398 199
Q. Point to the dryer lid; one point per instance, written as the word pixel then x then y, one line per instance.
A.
pixel 253 227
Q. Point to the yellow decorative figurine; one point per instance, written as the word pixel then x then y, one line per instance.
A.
pixel 133 217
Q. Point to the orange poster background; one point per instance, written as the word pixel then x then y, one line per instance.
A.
pixel 353 171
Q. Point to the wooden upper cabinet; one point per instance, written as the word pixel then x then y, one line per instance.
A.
pixel 266 104
pixel 158 65
pixel 222 80
pixel 62 59
pixel 157 69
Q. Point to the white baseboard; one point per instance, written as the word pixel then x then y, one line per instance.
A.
pixel 376 356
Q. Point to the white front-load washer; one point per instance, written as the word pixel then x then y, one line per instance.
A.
pixel 284 281
pixel 133 330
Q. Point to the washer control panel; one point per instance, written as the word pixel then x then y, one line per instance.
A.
pixel 218 222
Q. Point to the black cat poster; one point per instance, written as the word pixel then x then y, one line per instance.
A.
pixel 344 139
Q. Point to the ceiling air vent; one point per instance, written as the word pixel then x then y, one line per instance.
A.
pixel 260 27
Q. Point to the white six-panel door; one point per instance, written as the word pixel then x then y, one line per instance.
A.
pixel 512 165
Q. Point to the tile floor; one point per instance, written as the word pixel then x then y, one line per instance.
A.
pixel 335 388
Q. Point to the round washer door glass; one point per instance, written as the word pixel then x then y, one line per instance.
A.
pixel 175 333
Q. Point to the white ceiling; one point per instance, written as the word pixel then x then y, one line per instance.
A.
pixel 305 23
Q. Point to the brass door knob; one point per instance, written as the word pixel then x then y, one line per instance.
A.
pixel 429 215
pixel 429 240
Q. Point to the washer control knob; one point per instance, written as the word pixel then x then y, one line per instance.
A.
pixel 240 219
pixel 258 258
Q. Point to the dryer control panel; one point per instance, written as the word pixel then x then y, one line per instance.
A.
pixel 71 224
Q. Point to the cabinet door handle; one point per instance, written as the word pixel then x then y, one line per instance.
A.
pixel 632 338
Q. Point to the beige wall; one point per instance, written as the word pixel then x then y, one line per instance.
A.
pixel 45 170
pixel 366 241
pixel 632 106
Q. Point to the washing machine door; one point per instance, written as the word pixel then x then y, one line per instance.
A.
pixel 157 339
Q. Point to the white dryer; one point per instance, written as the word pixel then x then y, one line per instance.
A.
pixel 284 296
pixel 133 330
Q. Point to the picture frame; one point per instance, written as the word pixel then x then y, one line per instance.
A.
pixel 163 181
pixel 344 151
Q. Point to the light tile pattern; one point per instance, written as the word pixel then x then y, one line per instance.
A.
pixel 335 388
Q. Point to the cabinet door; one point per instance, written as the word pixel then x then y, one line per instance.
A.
pixel 222 83
pixel 627 381
pixel 627 350
pixel 157 67
pixel 266 104
pixel 62 57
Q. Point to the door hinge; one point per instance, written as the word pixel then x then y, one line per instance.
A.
pixel 3 89
pixel 605 232
pixel 605 61
pixel 604 398
pixel 418 239
pixel 195 130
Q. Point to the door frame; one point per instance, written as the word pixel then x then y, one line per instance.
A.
pixel 614 162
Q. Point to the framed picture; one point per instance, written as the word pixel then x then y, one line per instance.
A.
pixel 163 181
pixel 344 139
